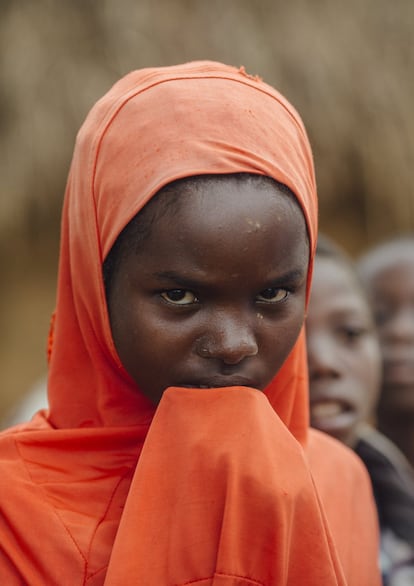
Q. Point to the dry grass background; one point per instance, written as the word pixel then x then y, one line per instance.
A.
pixel 347 66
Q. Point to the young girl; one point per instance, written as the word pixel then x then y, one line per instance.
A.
pixel 176 448
pixel 345 376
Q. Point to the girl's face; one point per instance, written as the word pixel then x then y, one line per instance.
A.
pixel 215 295
pixel 343 352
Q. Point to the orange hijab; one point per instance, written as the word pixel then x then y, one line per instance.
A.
pixel 212 488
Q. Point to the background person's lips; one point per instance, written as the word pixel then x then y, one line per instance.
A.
pixel 332 416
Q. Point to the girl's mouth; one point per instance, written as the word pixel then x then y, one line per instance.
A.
pixel 196 386
pixel 220 382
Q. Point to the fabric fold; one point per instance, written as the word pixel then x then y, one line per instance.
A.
pixel 212 498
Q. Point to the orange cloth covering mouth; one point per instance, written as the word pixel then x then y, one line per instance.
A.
pixel 227 518
pixel 225 487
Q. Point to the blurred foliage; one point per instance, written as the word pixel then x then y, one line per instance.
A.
pixel 347 67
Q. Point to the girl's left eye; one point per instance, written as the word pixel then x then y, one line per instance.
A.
pixel 272 295
pixel 179 297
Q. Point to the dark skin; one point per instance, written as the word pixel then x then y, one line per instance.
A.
pixel 214 296
pixel 389 276
pixel 343 352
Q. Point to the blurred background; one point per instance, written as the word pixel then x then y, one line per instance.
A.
pixel 348 67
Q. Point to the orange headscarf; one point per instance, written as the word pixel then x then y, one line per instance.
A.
pixel 212 488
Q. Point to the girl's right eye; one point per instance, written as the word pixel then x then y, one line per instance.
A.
pixel 179 297
pixel 272 295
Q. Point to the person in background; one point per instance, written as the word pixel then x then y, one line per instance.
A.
pixel 344 360
pixel 176 447
pixel 387 271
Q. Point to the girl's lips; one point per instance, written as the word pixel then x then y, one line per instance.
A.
pixel 219 383
pixel 195 386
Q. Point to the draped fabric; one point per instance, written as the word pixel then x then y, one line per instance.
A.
pixel 224 487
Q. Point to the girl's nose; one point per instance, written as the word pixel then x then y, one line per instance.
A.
pixel 229 339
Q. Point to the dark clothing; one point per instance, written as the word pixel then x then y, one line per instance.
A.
pixel 393 485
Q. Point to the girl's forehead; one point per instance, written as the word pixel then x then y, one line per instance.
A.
pixel 226 190
pixel 253 202
pixel 225 214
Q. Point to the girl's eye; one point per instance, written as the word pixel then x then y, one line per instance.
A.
pixel 179 297
pixel 272 295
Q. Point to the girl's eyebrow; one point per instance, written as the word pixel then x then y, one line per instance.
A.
pixel 292 276
pixel 176 278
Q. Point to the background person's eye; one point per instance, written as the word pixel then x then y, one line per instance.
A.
pixel 382 315
pixel 272 295
pixel 352 334
pixel 179 297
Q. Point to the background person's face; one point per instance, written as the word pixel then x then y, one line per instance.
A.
pixel 216 295
pixel 343 352
pixel 393 301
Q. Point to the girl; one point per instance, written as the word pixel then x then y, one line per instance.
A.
pixel 176 448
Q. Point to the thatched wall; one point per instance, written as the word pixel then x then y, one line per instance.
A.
pixel 347 66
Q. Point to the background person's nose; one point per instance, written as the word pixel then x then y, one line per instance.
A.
pixel 322 360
